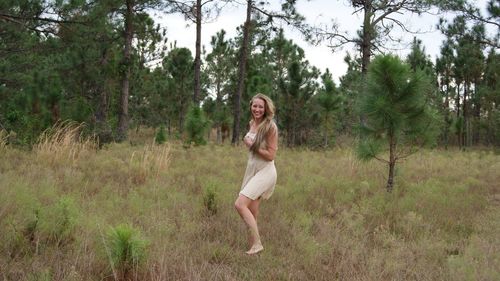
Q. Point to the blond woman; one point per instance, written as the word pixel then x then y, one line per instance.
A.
pixel 260 175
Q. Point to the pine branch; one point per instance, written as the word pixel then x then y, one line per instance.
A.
pixel 16 19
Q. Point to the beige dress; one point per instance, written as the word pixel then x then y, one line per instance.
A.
pixel 260 176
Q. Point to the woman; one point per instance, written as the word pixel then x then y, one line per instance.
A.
pixel 260 174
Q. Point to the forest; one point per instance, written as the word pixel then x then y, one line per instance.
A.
pixel 121 155
pixel 109 65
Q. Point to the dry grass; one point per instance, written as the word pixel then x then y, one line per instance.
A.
pixel 329 218
pixel 3 140
pixel 64 143
pixel 149 163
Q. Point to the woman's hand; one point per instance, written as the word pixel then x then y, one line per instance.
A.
pixel 248 141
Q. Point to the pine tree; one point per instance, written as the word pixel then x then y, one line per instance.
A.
pixel 329 102
pixel 219 68
pixel 178 65
pixel 296 91
pixel 196 125
pixel 397 116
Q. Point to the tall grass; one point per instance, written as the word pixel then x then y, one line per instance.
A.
pixel 328 219
pixel 149 162
pixel 3 139
pixel 63 143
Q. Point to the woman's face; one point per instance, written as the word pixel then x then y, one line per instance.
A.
pixel 258 108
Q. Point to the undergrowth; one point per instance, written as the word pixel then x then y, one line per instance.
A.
pixel 171 216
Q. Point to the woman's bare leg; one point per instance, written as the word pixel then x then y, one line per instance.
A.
pixel 254 208
pixel 242 205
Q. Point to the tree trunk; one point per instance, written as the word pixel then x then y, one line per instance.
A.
pixel 123 110
pixel 326 130
pixel 219 134
pixel 197 59
pixel 447 120
pixel 366 44
pixel 218 109
pixel 477 115
pixel 465 111
pixel 276 95
pixel 183 105
pixel 290 136
pixel 56 116
pixel 180 129
pixel 457 106
pixel 169 127
pixel 392 164
pixel 242 74
pixel 103 129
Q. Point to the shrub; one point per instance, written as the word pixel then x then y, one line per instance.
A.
pixel 161 136
pixel 127 250
pixel 59 220
pixel 210 200
pixel 397 117
pixel 196 125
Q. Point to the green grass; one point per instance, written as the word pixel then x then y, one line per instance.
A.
pixel 328 219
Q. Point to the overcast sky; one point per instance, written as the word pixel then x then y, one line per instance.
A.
pixel 315 11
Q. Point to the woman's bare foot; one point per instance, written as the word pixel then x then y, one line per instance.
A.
pixel 255 249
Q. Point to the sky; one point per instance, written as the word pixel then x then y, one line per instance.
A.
pixel 316 12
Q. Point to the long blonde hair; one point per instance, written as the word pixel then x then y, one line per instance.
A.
pixel 267 124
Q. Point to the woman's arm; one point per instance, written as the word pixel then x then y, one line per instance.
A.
pixel 272 145
pixel 248 141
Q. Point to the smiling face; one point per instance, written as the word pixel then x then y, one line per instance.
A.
pixel 258 109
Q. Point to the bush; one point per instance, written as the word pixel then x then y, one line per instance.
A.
pixel 196 126
pixel 127 250
pixel 58 221
pixel 210 200
pixel 161 136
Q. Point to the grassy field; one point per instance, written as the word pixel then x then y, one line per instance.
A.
pixel 67 212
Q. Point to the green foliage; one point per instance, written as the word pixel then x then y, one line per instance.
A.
pixel 161 135
pixel 350 89
pixel 395 111
pixel 76 73
pixel 394 104
pixel 458 125
pixel 178 67
pixel 127 249
pixel 58 221
pixel 323 198
pixel 495 134
pixel 210 200
pixel 369 149
pixel 196 126
pixel 329 102
pixel 44 275
pixel 296 90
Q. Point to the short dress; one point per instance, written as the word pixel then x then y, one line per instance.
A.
pixel 260 176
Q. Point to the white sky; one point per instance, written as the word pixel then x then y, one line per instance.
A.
pixel 315 11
